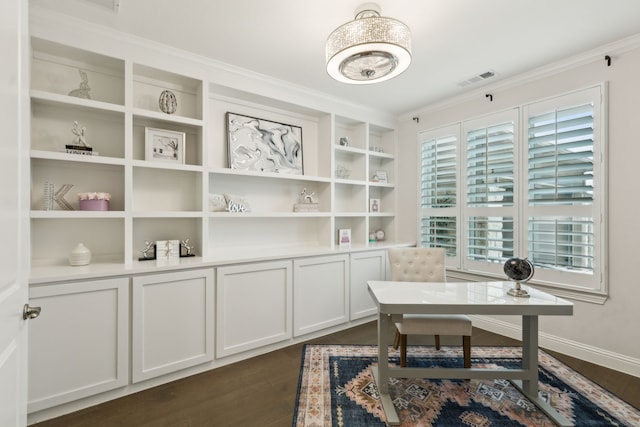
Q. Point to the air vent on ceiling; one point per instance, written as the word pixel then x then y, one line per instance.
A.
pixel 475 79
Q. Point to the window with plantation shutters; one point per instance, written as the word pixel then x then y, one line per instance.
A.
pixel 527 182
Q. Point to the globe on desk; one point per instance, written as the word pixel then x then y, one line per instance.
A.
pixel 520 271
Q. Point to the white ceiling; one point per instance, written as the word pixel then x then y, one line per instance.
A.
pixel 453 40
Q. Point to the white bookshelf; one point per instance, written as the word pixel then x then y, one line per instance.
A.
pixel 158 200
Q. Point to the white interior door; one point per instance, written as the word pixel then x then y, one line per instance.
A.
pixel 14 247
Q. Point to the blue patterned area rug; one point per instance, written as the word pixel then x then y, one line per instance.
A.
pixel 336 389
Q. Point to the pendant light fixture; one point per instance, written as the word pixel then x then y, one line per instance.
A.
pixel 369 49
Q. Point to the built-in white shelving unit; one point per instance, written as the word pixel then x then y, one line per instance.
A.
pixel 269 277
pixel 160 200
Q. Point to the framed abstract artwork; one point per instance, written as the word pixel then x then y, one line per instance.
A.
pixel 263 145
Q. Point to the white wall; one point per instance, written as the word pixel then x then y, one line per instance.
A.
pixel 607 334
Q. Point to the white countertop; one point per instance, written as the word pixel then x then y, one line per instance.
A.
pixel 463 298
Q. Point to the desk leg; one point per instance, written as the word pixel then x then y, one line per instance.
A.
pixel 530 354
pixel 529 385
pixel 381 374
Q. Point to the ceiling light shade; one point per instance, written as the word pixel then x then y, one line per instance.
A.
pixel 369 49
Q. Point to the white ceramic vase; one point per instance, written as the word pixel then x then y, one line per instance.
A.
pixel 80 255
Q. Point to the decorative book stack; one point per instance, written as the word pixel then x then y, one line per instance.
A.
pixel 80 149
pixel 305 207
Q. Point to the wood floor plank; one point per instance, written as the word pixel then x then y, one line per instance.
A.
pixel 262 390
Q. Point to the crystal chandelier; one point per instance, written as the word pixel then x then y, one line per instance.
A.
pixel 369 49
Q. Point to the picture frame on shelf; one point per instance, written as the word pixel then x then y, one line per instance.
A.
pixel 163 145
pixel 261 145
pixel 381 177
pixel 374 205
pixel 344 237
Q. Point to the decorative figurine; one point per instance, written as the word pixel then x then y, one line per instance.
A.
pixel 79 131
pixel 306 202
pixel 168 103
pixel 149 246
pixel 307 198
pixel 184 244
pixel 344 141
pixel 83 90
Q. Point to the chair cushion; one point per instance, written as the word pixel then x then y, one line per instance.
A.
pixel 435 324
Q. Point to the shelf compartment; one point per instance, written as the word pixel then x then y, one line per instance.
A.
pixel 56 69
pixel 193 137
pixel 267 194
pixel 54 238
pixel 382 141
pixel 378 162
pixel 357 224
pixel 386 223
pixel 269 235
pixel 166 190
pixel 355 131
pixel 168 228
pixel 386 195
pixel 84 176
pixel 52 122
pixel 350 198
pixel 351 160
pixel 315 128
pixel 149 83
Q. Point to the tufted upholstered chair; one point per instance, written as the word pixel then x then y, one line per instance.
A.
pixel 426 265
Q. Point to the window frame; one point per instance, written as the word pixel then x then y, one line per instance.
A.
pixel 560 282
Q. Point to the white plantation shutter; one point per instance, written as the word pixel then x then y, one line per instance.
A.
pixel 489 189
pixel 439 190
pixel 565 226
pixel 490 165
pixel 438 171
pixel 561 156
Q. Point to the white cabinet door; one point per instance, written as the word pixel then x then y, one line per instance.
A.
pixel 365 266
pixel 80 344
pixel 172 322
pixel 320 292
pixel 253 303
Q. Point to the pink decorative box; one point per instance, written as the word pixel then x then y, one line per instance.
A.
pixel 94 201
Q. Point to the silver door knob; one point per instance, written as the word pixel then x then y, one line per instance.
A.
pixel 29 312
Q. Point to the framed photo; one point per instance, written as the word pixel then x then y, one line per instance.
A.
pixel 262 145
pixel 164 145
pixel 344 237
pixel 380 176
pixel 374 205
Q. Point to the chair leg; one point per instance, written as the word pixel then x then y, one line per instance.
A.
pixel 403 350
pixel 437 342
pixel 466 349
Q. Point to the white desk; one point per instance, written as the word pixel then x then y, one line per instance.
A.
pixel 397 298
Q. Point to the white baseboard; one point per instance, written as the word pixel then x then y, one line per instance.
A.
pixel 599 356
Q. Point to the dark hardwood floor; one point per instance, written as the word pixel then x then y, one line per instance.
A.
pixel 262 391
